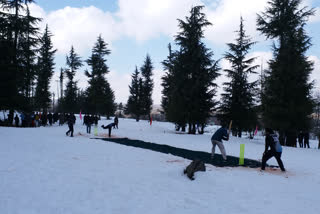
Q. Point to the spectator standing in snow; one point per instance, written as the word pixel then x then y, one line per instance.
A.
pixel 306 140
pixel 50 118
pixel 23 119
pixel 300 139
pixel 70 125
pixel 272 141
pixel 16 120
pixel 116 122
pixel 216 139
pixel 108 127
pixel 88 123
pixel 37 119
pixel 61 119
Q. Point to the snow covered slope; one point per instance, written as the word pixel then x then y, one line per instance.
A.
pixel 44 171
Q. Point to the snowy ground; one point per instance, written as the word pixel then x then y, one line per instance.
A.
pixel 42 171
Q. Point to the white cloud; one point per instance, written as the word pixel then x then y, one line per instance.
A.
pixel 79 27
pixel 119 83
pixel 145 19
pixel 156 96
pixel 316 17
pixel 225 18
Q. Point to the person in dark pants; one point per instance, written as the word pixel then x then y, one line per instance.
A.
pixel 300 139
pixel 88 124
pixel 16 120
pixel 116 122
pixel 272 141
pixel 108 127
pixel 306 140
pixel 70 124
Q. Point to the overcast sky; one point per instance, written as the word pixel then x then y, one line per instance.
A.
pixel 134 28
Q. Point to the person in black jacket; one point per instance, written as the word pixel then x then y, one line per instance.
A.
pixel 109 127
pixel 88 124
pixel 116 122
pixel 70 124
pixel 300 139
pixel 306 139
pixel 16 120
pixel 272 141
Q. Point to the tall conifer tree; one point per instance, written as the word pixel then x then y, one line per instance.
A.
pixel 14 25
pixel 71 92
pixel 27 50
pixel 287 102
pixel 100 96
pixel 134 104
pixel 146 93
pixel 192 74
pixel 45 69
pixel 239 97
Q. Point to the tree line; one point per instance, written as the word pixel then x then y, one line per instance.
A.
pixel 281 99
pixel 27 66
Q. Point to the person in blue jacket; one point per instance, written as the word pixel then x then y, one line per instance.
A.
pixel 216 139
pixel 272 141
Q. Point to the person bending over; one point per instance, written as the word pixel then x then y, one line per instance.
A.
pixel 109 127
pixel 272 141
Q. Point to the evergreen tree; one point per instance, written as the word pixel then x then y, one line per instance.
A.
pixel 147 86
pixel 287 102
pixel 192 75
pixel 100 96
pixel 134 104
pixel 70 98
pixel 45 69
pixel 60 98
pixel 13 25
pixel 173 90
pixel 8 89
pixel 28 42
pixel 239 99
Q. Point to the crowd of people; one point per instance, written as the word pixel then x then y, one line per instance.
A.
pixel 303 139
pixel 37 119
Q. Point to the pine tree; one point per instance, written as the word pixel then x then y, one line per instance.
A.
pixel 173 90
pixel 147 86
pixel 100 96
pixel 8 71
pixel 28 42
pixel 134 104
pixel 287 102
pixel 192 74
pixel 8 89
pixel 73 64
pixel 239 99
pixel 45 69
pixel 60 98
pixel 12 27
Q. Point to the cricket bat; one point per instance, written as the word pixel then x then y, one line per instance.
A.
pixel 230 125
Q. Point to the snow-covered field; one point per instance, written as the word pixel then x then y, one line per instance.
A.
pixel 42 171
